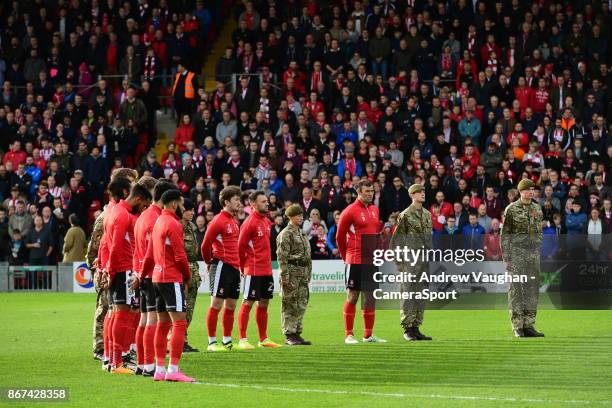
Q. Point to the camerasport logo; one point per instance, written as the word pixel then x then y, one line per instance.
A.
pixel 83 277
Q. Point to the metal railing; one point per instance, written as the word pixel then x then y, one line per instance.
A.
pixel 32 278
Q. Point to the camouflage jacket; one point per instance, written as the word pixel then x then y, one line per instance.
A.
pixel 94 242
pixel 414 228
pixel 293 248
pixel 521 229
pixel 191 243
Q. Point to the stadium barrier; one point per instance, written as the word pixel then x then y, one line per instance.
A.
pixel 327 276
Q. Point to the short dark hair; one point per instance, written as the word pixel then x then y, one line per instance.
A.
pixel 140 191
pixel 118 186
pixel 170 196
pixel 73 219
pixel 255 194
pixel 228 193
pixel 364 183
pixel 161 187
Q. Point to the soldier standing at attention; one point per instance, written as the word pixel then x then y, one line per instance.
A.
pixel 191 249
pixel 521 237
pixel 414 230
pixel 293 254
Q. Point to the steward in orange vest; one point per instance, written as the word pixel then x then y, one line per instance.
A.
pixel 184 91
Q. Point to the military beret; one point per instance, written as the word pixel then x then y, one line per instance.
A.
pixel 293 210
pixel 188 204
pixel 415 188
pixel 525 184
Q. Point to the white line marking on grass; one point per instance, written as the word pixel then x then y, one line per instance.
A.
pixel 404 395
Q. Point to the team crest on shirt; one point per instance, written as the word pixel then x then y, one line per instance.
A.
pixel 253 292
pixel 229 228
pixel 363 217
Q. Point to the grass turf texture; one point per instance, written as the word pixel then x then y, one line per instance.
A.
pixel 473 360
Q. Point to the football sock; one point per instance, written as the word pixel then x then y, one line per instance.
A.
pixel 149 344
pixel 161 342
pixel 179 328
pixel 368 322
pixel 121 332
pixel 228 323
pixel 349 318
pixel 140 345
pixel 211 321
pixel 105 335
pixel 111 339
pixel 243 320
pixel 261 317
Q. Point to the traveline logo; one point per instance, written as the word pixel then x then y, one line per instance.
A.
pixel 83 277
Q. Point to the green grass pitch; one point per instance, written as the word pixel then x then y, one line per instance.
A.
pixel 473 361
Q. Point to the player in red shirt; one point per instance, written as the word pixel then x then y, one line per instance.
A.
pixel 119 189
pixel 119 237
pixel 256 266
pixel 359 223
pixel 145 334
pixel 220 252
pixel 167 260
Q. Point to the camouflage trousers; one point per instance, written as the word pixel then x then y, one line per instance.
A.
pixel 412 310
pixel 101 310
pixel 192 292
pixel 523 297
pixel 294 295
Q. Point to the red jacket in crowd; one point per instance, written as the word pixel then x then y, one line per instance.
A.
pixel 166 252
pixel 221 240
pixel 254 245
pixel 539 100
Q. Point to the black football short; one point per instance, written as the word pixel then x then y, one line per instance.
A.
pixel 169 297
pixel 224 280
pixel 147 296
pixel 258 287
pixel 120 292
pixel 360 277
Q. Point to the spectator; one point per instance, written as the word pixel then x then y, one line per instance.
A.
pixel 39 241
pixel 20 220
pixel 74 242
pixel 18 250
pixel 492 242
pixel 473 233
pixel 5 238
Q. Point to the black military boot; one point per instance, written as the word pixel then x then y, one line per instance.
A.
pixel 519 333
pixel 410 334
pixel 292 340
pixel 420 335
pixel 531 332
pixel 302 341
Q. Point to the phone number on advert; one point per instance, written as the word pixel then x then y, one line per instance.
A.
pixel 34 394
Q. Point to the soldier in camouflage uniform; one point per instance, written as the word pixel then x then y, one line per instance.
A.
pixel 295 263
pixel 102 293
pixel 191 249
pixel 521 238
pixel 102 305
pixel 414 230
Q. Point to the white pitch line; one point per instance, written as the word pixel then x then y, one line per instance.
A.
pixel 404 395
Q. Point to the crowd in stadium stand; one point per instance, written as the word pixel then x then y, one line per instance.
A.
pixel 464 97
